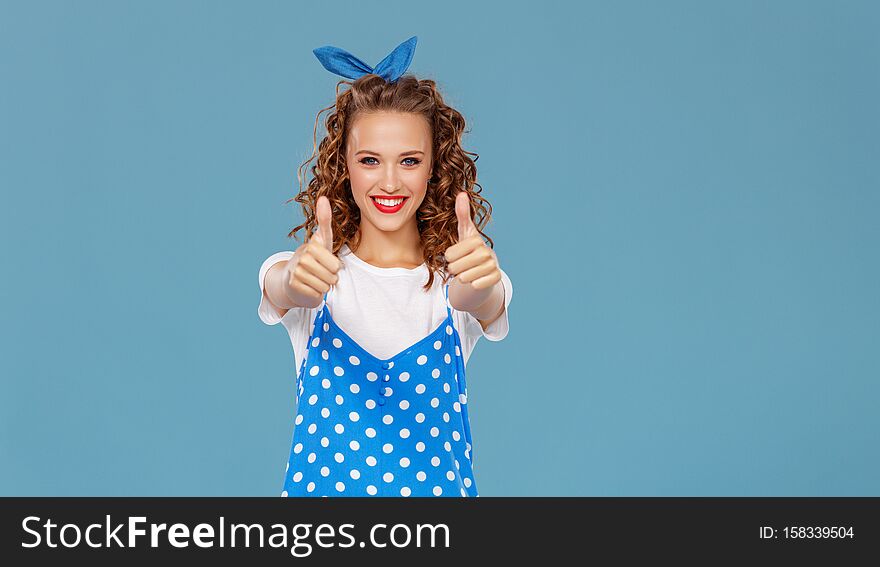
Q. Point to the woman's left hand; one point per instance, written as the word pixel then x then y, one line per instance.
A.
pixel 470 259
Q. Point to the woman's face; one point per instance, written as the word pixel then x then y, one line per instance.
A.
pixel 388 156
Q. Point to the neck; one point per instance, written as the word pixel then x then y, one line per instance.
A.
pixel 399 249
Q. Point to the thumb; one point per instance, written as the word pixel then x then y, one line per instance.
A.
pixel 466 227
pixel 325 222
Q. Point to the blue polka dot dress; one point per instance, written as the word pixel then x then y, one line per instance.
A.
pixel 381 427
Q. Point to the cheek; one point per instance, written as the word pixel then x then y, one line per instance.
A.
pixel 360 185
pixel 418 184
pixel 419 195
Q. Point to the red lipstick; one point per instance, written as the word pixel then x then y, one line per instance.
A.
pixel 386 208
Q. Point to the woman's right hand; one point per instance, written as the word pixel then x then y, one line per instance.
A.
pixel 313 267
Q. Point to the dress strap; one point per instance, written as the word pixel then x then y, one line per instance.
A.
pixel 446 294
pixel 328 293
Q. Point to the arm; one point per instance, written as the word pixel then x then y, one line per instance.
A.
pixel 486 305
pixel 307 275
pixel 477 287
pixel 274 289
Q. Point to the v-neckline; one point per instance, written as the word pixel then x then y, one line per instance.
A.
pixel 446 321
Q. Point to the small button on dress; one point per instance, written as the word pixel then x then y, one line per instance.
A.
pixel 381 427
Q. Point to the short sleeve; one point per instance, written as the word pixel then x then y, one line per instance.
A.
pixel 298 321
pixel 266 311
pixel 470 329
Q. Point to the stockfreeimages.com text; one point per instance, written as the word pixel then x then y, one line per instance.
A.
pixel 298 537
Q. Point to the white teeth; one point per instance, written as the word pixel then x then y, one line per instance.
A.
pixel 388 202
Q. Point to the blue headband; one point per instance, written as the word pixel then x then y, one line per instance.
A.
pixel 343 63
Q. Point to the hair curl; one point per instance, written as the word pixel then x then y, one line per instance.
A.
pixel 452 168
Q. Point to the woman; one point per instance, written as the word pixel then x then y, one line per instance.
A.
pixel 375 299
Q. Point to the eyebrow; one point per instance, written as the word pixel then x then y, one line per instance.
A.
pixel 411 152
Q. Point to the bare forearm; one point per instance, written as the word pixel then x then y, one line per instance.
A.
pixel 276 287
pixel 484 304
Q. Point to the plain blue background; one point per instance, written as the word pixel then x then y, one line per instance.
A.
pixel 685 195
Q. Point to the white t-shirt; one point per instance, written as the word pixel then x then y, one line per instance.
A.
pixel 385 310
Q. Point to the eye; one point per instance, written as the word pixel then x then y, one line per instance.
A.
pixel 415 160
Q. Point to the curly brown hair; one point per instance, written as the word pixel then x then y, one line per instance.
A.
pixel 452 168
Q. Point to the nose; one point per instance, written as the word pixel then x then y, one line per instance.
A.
pixel 390 180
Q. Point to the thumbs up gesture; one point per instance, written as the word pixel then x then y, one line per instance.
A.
pixel 313 268
pixel 470 260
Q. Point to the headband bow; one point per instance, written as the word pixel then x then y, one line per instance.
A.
pixel 343 63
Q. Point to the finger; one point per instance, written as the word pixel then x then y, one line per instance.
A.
pixel 294 282
pixel 463 248
pixel 313 266
pixel 306 290
pixel 466 227
pixel 326 258
pixel 476 272
pixel 325 221
pixel 486 281
pixel 309 279
pixel 474 258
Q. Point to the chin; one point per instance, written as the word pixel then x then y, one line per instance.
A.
pixel 389 226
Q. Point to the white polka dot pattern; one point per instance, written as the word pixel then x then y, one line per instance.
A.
pixel 368 430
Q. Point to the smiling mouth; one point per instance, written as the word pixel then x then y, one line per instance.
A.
pixel 388 205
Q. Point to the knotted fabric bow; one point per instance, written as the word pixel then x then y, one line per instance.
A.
pixel 343 63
